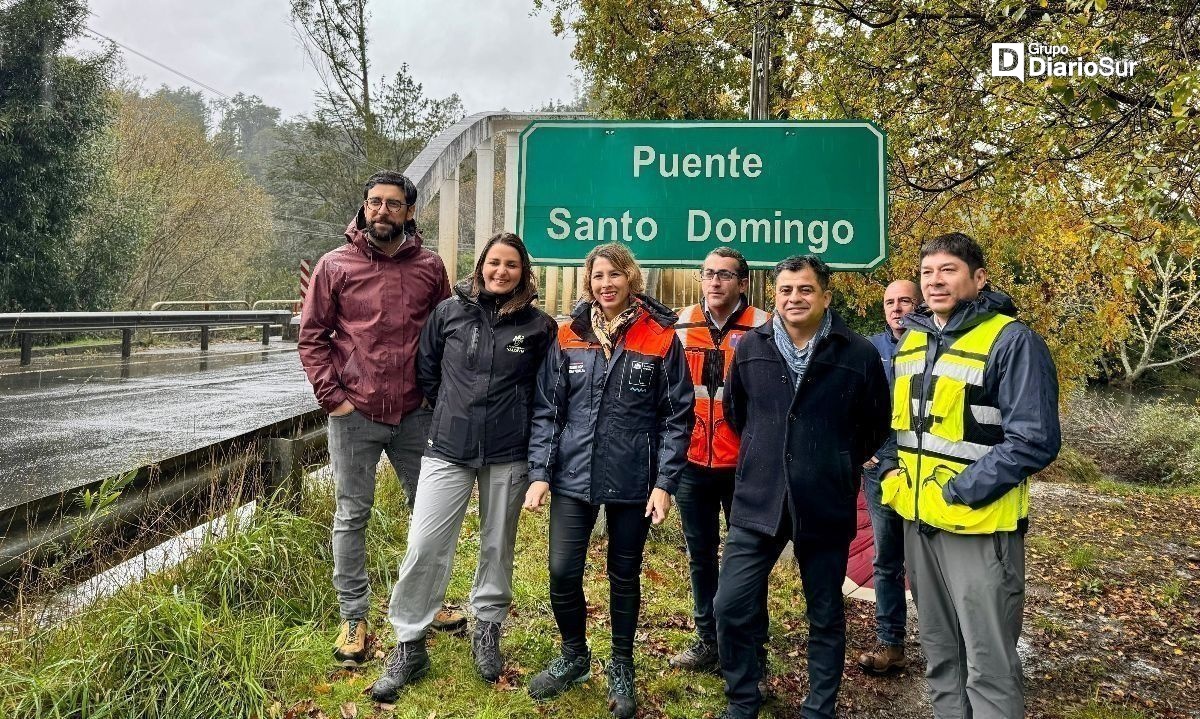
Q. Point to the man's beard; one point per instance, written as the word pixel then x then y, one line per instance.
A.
pixel 380 235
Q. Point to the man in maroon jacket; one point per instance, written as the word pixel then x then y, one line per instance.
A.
pixel 359 329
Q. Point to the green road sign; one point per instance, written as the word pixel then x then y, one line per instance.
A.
pixel 672 191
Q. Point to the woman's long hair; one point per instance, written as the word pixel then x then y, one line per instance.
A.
pixel 526 289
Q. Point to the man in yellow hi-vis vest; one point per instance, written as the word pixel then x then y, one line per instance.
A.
pixel 975 412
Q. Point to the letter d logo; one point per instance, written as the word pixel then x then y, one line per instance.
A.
pixel 1008 60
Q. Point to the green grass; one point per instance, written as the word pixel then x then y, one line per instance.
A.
pixel 243 629
pixel 1103 710
pixel 1084 558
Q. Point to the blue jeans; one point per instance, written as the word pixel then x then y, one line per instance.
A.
pixel 891 611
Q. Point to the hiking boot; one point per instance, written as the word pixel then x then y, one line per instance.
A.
pixel 350 649
pixel 884 659
pixel 485 649
pixel 700 657
pixel 563 673
pixel 449 619
pixel 407 663
pixel 621 700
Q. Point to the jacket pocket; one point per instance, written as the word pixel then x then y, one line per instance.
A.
pixel 959 518
pixel 724 444
pixel 349 376
pixel 458 439
pixel 698 449
pixel 474 337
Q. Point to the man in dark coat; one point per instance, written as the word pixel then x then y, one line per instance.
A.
pixel 810 400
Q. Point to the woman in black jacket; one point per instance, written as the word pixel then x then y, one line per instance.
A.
pixel 612 420
pixel 477 364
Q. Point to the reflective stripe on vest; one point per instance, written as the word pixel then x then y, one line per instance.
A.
pixel 713 444
pixel 940 436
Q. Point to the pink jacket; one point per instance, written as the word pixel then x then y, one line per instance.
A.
pixel 361 323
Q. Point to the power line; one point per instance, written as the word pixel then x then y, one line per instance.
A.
pixel 164 66
pixel 210 88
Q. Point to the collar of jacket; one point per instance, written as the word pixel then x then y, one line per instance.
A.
pixel 464 290
pixel 837 328
pixel 741 306
pixel 356 234
pixel 581 316
pixel 966 314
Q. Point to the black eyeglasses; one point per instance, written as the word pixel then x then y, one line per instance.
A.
pixel 722 275
pixel 393 205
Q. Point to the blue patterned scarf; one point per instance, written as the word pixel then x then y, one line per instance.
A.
pixel 795 357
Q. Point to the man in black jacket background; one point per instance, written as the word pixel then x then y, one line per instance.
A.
pixel 810 400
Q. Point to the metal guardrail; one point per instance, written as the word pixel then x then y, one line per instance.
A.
pixel 200 304
pixel 259 304
pixel 24 324
pixel 270 460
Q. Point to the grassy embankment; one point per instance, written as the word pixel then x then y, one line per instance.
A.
pixel 242 629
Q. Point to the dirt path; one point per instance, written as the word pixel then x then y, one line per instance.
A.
pixel 1112 619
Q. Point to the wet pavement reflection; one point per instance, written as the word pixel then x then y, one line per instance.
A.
pixel 73 420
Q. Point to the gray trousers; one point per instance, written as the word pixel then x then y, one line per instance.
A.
pixel 970 595
pixel 442 496
pixel 355 443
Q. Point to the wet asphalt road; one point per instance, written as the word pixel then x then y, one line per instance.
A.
pixel 74 420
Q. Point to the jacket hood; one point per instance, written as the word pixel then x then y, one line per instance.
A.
pixel 356 234
pixel 465 290
pixel 966 315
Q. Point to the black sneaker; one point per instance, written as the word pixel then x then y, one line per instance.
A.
pixel 621 700
pixel 700 657
pixel 485 649
pixel 407 663
pixel 563 673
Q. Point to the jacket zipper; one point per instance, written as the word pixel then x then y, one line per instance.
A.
pixel 921 428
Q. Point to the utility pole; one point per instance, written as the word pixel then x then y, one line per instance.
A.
pixel 760 67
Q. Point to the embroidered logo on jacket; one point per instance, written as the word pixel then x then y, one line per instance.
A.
pixel 641 375
pixel 517 345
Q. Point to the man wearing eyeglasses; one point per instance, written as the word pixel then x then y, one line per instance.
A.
pixel 891 609
pixel 709 331
pixel 359 329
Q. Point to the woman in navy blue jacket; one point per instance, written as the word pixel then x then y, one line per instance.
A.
pixel 612 419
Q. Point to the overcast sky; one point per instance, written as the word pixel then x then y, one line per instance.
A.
pixel 491 52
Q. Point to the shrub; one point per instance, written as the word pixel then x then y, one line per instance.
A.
pixel 1151 443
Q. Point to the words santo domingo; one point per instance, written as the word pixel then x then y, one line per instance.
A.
pixel 701 226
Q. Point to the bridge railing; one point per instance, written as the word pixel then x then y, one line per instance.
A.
pixel 200 304
pixel 25 324
pixel 166 497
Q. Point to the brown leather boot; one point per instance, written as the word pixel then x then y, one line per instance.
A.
pixel 449 619
pixel 883 659
pixel 350 649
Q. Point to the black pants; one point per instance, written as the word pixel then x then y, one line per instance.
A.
pixel 703 496
pixel 571 522
pixel 749 558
